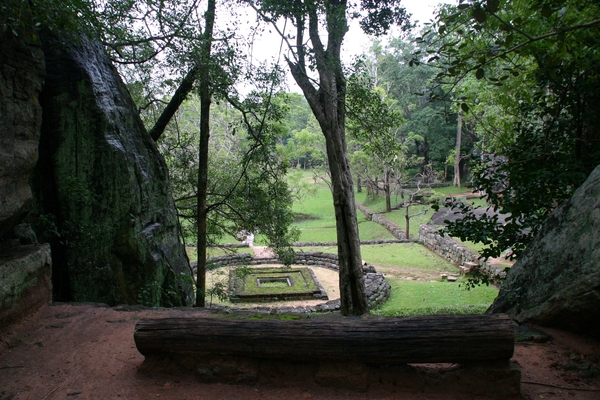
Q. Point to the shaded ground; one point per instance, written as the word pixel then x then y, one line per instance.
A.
pixel 87 352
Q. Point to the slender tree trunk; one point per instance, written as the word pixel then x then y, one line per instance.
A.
pixel 458 148
pixel 205 101
pixel 386 190
pixel 407 218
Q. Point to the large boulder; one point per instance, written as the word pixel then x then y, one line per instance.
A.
pixel 103 192
pixel 556 281
pixel 21 79
pixel 25 266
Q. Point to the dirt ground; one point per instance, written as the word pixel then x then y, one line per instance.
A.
pixel 83 351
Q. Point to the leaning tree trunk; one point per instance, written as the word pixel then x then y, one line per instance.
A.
pixel 352 289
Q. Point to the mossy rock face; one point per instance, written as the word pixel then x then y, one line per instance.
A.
pixel 275 284
pixel 102 188
pixel 556 281
pixel 21 79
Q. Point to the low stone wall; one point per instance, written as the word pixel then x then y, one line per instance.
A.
pixel 334 244
pixel 387 223
pixel 312 244
pixel 377 288
pixel 450 249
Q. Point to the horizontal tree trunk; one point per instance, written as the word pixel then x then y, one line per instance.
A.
pixel 426 339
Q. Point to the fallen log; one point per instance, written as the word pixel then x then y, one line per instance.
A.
pixel 424 339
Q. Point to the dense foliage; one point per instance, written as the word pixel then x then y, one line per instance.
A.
pixel 526 74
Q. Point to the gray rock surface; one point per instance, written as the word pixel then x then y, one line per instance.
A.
pixel 102 188
pixel 21 78
pixel 556 282
pixel 24 281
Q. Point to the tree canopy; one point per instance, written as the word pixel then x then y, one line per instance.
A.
pixel 526 75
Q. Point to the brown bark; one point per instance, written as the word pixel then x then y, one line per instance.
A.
pixel 185 87
pixel 424 339
pixel 386 189
pixel 407 219
pixel 458 148
pixel 328 105
pixel 205 100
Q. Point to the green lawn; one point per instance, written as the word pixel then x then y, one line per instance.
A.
pixel 316 220
pixel 411 269
pixel 400 260
pixel 423 298
pixel 215 251
pixel 417 289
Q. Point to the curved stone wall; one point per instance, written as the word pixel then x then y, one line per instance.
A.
pixel 377 288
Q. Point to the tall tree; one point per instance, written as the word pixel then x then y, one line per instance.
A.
pixel 457 153
pixel 375 124
pixel 205 90
pixel 326 95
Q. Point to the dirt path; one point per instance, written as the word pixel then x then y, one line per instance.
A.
pixel 87 352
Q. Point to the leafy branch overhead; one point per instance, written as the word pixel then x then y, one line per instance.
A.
pixel 526 75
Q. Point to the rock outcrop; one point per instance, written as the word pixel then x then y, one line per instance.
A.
pixel 102 188
pixel 25 273
pixel 556 281
pixel 25 266
pixel 21 79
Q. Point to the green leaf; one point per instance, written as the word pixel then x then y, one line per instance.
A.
pixel 479 14
pixel 546 11
pixel 480 73
pixel 492 5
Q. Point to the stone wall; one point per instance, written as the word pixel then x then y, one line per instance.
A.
pixel 462 257
pixel 377 288
pixel 388 224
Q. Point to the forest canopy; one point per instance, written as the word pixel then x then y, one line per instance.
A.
pixel 521 78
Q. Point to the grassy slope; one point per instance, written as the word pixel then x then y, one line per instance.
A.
pixel 411 269
pixel 317 220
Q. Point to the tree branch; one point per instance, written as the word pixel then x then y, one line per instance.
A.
pixel 185 87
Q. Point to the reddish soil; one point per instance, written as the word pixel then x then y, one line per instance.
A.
pixel 70 351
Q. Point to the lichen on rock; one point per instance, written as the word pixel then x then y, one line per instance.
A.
pixel 102 187
pixel 556 281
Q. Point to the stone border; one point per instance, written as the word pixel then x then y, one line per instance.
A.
pixel 236 283
pixel 457 254
pixel 310 244
pixel 377 288
pixel 387 223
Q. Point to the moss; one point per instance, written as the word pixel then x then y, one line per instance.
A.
pixel 300 279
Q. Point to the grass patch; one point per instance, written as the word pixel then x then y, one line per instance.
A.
pixel 452 190
pixel 399 259
pixel 478 202
pixel 317 221
pixel 424 298
pixel 192 252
